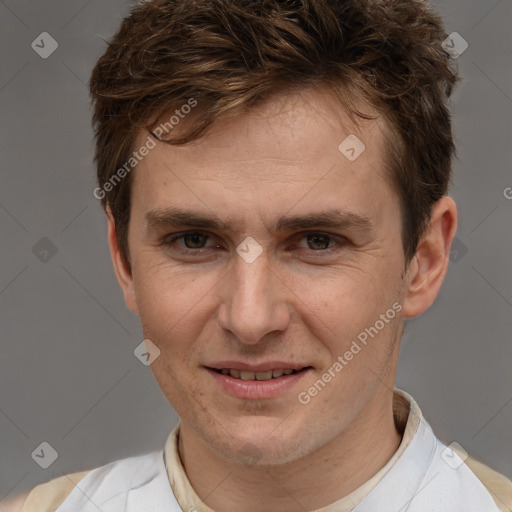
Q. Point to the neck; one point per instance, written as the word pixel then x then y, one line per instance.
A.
pixel 317 480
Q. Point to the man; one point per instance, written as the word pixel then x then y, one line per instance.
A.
pixel 275 177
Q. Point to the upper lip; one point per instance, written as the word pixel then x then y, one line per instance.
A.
pixel 262 367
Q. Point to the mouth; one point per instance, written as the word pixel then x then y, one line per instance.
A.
pixel 260 376
pixel 257 385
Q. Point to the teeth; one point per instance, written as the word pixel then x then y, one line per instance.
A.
pixel 270 374
pixel 264 375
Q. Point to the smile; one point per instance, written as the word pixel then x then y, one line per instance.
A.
pixel 250 385
pixel 244 375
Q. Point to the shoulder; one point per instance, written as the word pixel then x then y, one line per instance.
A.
pixel 457 482
pixel 45 497
pixel 14 504
pixel 104 482
pixel 499 486
pixel 49 496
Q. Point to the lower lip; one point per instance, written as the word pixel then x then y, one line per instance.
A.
pixel 257 389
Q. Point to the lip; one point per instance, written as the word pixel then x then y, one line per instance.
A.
pixel 257 389
pixel 262 367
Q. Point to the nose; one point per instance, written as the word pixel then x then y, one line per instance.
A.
pixel 254 300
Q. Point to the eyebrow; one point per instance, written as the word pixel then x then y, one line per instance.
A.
pixel 332 218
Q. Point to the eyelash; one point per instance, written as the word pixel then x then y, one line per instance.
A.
pixel 170 240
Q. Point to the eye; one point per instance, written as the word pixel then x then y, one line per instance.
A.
pixel 193 241
pixel 320 243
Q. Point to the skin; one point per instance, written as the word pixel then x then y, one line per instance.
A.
pixel 296 302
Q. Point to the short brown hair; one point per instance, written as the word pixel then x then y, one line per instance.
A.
pixel 228 55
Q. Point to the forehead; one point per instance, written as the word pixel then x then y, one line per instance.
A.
pixel 302 146
pixel 303 115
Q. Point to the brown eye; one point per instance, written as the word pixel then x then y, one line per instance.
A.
pixel 318 244
pixel 194 240
pixel 189 243
pixel 318 241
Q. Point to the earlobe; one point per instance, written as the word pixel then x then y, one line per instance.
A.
pixel 121 268
pixel 428 268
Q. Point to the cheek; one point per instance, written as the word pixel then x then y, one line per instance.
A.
pixel 341 307
pixel 173 304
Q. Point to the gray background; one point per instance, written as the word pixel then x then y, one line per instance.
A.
pixel 68 375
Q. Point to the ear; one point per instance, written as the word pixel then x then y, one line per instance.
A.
pixel 121 268
pixel 427 269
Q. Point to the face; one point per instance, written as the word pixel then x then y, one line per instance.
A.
pixel 263 247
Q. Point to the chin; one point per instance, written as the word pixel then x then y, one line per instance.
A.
pixel 261 441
